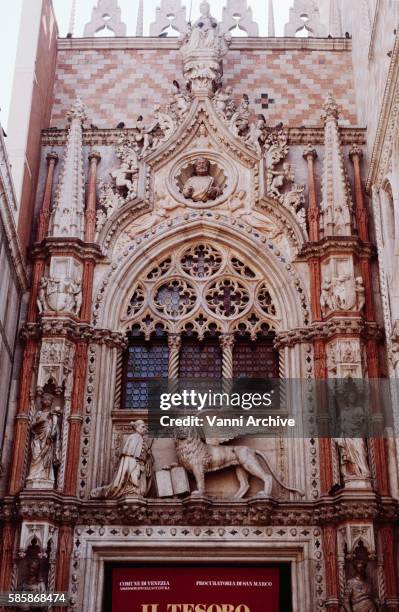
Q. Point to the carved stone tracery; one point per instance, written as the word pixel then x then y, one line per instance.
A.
pixel 200 303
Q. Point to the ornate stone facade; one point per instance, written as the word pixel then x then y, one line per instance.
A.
pixel 210 231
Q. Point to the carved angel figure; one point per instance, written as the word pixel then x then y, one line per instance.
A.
pixel 45 444
pixel 358 592
pixel 41 295
pixel 134 473
pixel 279 178
pixel 199 457
pixel 224 103
pixel 256 137
pixel 126 178
pixel 201 187
pixel 326 298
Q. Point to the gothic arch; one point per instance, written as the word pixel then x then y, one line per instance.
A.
pixel 253 248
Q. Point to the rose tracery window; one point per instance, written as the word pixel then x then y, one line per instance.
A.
pixel 175 298
pixel 227 297
pixel 201 261
pixel 203 294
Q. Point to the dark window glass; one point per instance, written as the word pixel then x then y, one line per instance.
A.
pixel 144 361
pixel 200 359
pixel 255 359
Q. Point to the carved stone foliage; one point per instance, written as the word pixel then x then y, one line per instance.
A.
pixel 270 144
pixel 201 287
pixel 133 146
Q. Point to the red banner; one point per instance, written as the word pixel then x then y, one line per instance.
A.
pixel 195 589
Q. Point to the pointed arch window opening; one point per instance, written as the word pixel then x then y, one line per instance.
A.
pixel 201 312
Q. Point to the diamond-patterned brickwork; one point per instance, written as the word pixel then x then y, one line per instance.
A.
pixel 118 85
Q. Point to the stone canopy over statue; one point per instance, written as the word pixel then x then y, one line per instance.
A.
pixel 201 187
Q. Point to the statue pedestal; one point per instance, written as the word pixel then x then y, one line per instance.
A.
pixel 39 483
pixel 203 70
pixel 354 482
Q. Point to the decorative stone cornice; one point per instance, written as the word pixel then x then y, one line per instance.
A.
pixel 296 136
pixel 74 330
pixel 326 330
pixel 75 247
pixel 240 44
pixel 207 511
pixel 330 244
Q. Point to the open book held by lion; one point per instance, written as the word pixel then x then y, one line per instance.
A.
pixel 199 457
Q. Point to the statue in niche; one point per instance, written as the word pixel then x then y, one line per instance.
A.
pixel 134 473
pixel 201 187
pixel 204 33
pixel 45 444
pixel 358 592
pixel 33 581
pixel 360 293
pixel 352 448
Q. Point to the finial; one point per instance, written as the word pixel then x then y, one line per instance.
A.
pixel 72 21
pixel 330 108
pixel 140 19
pixel 77 111
pixel 271 27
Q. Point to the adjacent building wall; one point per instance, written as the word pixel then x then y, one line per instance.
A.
pixel 13 282
pixel 31 103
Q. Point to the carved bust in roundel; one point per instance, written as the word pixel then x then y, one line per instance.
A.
pixel 201 186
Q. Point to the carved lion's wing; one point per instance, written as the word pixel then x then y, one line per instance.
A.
pixel 214 434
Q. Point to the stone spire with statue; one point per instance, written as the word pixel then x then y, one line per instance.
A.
pixel 203 48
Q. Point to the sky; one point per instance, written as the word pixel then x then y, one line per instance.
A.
pixel 11 14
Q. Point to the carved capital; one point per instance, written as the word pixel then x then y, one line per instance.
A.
pixel 309 152
pixel 355 152
pixel 52 157
pixel 94 156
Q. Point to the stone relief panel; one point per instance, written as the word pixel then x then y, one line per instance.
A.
pixel 61 289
